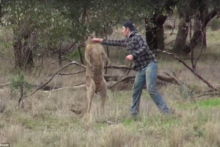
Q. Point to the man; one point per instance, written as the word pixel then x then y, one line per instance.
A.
pixel 145 64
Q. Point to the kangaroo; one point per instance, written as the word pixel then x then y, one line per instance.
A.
pixel 95 58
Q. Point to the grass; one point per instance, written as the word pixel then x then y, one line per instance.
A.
pixel 46 119
pixel 207 103
pixel 210 103
pixel 49 128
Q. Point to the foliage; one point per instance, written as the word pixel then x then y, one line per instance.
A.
pixel 56 22
pixel 38 17
pixel 19 85
pixel 80 18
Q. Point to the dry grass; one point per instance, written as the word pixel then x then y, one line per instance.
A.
pixel 47 119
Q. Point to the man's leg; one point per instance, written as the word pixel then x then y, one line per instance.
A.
pixel 137 91
pixel 151 83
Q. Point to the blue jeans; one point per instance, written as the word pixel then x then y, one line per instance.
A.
pixel 148 76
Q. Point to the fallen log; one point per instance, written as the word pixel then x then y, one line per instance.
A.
pixel 166 78
pixel 119 79
pixel 118 67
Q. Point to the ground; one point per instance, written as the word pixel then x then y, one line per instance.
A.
pixel 47 119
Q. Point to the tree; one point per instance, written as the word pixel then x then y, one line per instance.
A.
pixel 200 12
pixel 43 26
pixel 0 10
pixel 36 25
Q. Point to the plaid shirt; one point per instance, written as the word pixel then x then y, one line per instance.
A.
pixel 137 47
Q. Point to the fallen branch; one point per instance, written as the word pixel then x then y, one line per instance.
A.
pixel 207 93
pixel 48 81
pixel 4 85
pixel 187 66
pixel 110 78
pixel 128 71
pixel 115 78
pixel 119 67
pixel 71 88
pixel 59 70
pixel 169 78
pixel 67 74
pixel 121 80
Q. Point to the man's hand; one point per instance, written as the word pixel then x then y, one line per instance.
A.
pixel 130 57
pixel 97 40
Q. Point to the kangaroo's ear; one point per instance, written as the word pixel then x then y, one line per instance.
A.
pixel 89 37
pixel 89 40
pixel 92 34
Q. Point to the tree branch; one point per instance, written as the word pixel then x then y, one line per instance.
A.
pixel 188 67
pixel 209 16
pixel 121 80
pixel 57 72
pixel 119 67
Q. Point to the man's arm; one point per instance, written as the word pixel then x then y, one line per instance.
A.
pixel 122 43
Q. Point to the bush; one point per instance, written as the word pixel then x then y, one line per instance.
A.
pixel 19 85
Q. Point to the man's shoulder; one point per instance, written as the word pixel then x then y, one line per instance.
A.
pixel 138 37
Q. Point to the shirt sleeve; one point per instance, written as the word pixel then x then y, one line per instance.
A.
pixel 122 43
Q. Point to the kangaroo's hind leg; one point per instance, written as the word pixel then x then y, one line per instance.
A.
pixel 90 92
pixel 103 94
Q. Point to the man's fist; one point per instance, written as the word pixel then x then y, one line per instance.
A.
pixel 97 40
pixel 129 57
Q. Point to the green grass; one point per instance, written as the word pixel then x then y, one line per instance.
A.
pixel 213 102
pixel 207 103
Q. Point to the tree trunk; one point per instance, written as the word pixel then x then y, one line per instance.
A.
pixel 151 37
pixel 155 32
pixel 80 55
pixel 18 53
pixel 23 55
pixel 0 12
pixel 181 37
pixel 204 38
pixel 199 35
pixel 24 43
pixel 160 37
pixel 60 54
pixel 159 21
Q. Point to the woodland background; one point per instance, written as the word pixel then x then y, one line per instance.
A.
pixel 38 38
